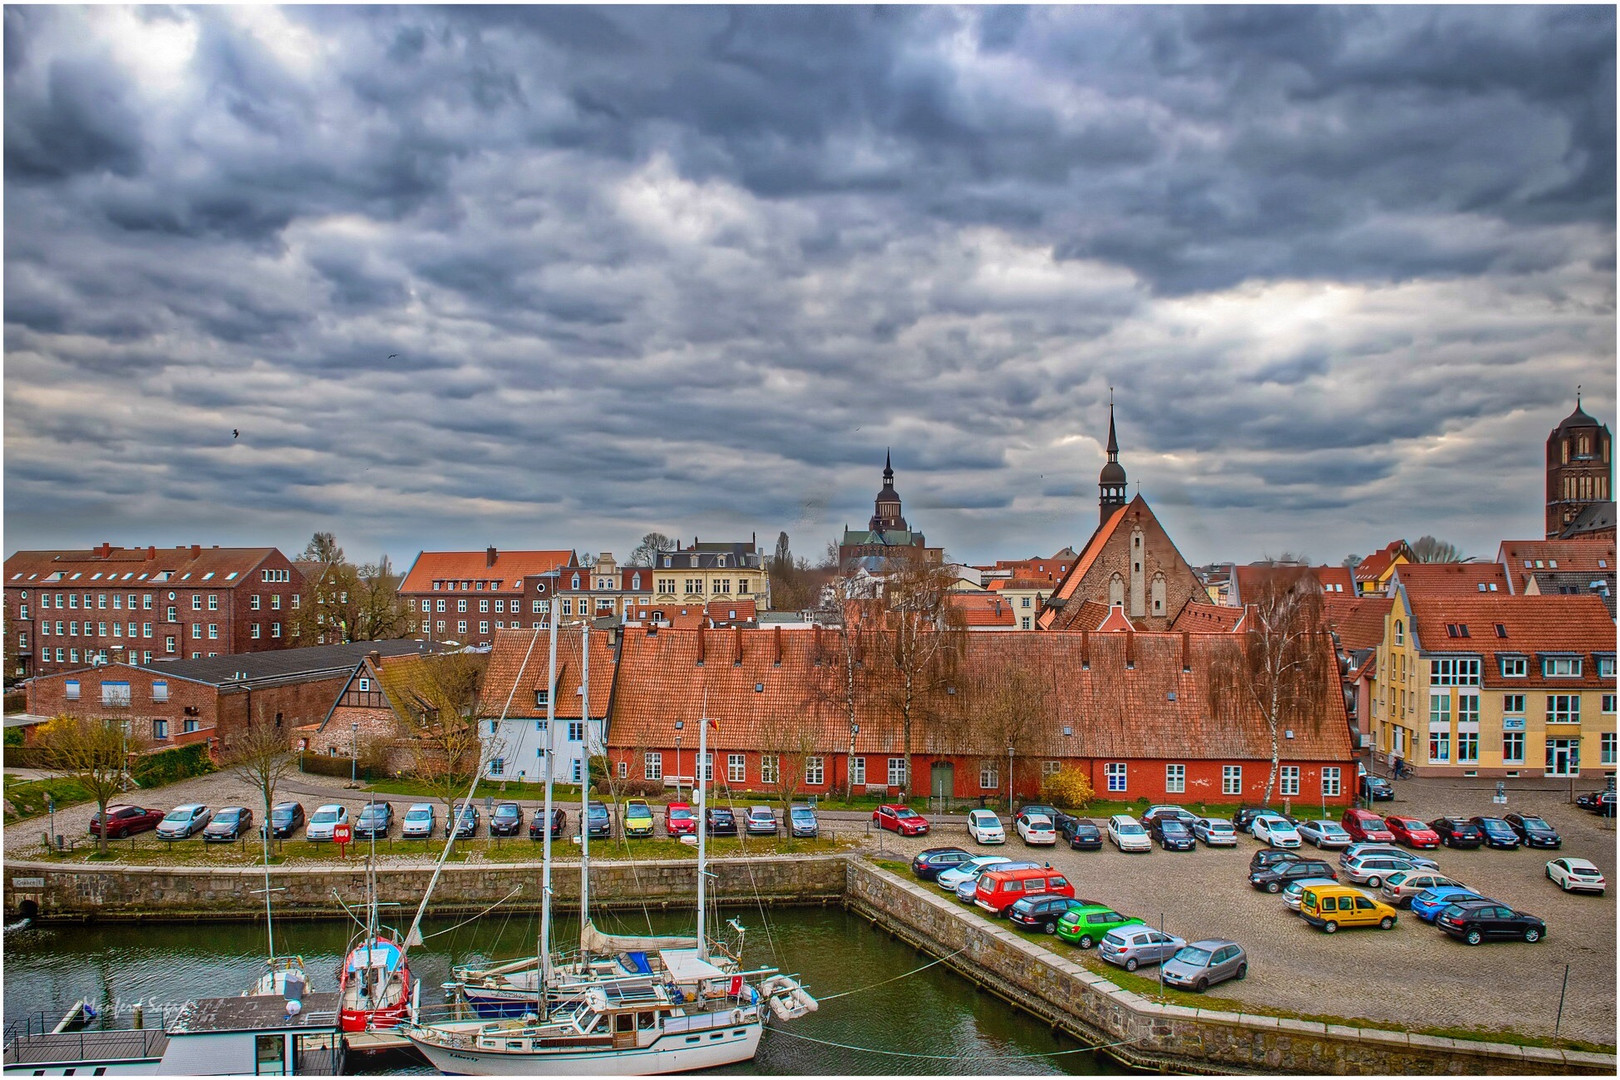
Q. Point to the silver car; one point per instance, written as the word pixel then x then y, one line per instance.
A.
pixel 1132 946
pixel 1372 870
pixel 1324 833
pixel 182 821
pixel 1203 963
pixel 1401 886
pixel 419 821
pixel 1357 850
pixel 1291 891
pixel 1214 832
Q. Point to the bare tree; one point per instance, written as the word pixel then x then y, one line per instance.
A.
pixel 646 552
pixel 1427 549
pixel 435 702
pixel 322 548
pixel 354 603
pixel 920 635
pixel 1006 706
pixel 788 734
pixel 261 756
pixel 1282 665
pixel 843 681
pixel 93 752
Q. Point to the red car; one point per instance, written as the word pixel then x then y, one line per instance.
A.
pixel 124 820
pixel 901 819
pixel 1366 826
pixel 1412 832
pixel 679 820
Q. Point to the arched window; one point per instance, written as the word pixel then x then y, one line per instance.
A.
pixel 576 582
pixel 635 582
pixel 1158 594
pixel 1116 590
pixel 1400 632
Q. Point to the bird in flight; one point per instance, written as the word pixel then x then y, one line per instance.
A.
pixel 235 434
pixel 392 355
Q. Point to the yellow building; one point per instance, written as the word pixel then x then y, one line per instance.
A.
pixel 704 572
pixel 1372 574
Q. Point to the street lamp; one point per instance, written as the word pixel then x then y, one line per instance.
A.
pixel 679 724
pixel 354 753
pixel 1009 780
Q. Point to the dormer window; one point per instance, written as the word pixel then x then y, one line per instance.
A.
pixel 1561 667
pixel 1514 667
pixel 666 560
pixel 635 582
pixel 694 560
pixel 720 560
pixel 575 584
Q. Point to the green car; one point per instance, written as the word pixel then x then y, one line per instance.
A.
pixel 1085 926
pixel 638 819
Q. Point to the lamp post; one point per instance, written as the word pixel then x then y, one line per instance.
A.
pixel 1009 780
pixel 354 753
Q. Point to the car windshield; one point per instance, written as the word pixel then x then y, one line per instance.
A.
pixel 905 812
pixel 1192 956
pixel 682 814
pixel 1171 825
pixel 371 810
pixel 180 814
pixel 1534 823
pixel 281 813
pixel 598 812
pixel 800 813
pixel 323 816
pixel 506 810
pixel 227 816
pixel 1129 830
pixel 418 815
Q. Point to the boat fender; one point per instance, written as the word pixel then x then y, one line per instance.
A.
pixel 736 1016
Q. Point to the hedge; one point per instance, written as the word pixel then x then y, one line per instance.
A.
pixel 169 766
pixel 325 765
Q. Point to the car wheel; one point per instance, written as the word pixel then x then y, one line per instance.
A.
pixel 1273 887
pixel 122 833
pixel 1085 941
pixel 1243 970
pixel 1202 985
pixel 1532 935
pixel 1385 923
pixel 1374 882
pixel 1131 964
pixel 1050 928
pixel 1473 937
pixel 1330 927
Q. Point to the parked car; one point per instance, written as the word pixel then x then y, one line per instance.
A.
pixel 950 877
pixel 1412 832
pixel 1082 834
pixel 1051 813
pixel 1431 902
pixel 679 820
pixel 600 822
pixel 1173 834
pixel 506 819
pixel 463 820
pixel 1401 886
pixel 1376 788
pixel 761 821
pixel 1496 832
pixel 1167 810
pixel 999 888
pixel 638 819
pixel 1246 815
pixel 1329 907
pixel 929 864
pixel 1203 964
pixel 125 820
pixel 1127 834
pixel 1040 912
pixel 183 821
pixel 1575 875
pixel 1356 850
pixel 1266 858
pixel 1275 830
pixel 231 823
pixel 967 891
pixel 900 819
pixel 1323 833
pixel 1035 829
pixel 985 827
pixel 1475 921
pixel 286 818
pixel 802 821
pixel 1273 878
pixel 1132 946
pixel 1292 891
pixel 1215 832
pixel 559 824
pixel 1534 832
pixel 1085 925
pixel 374 819
pixel 1605 805
pixel 420 819
pixel 1364 825
pixel 1588 800
pixel 1371 870
pixel 325 819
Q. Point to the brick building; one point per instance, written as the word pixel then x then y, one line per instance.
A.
pixel 186 701
pixel 465 597
pixel 1580 471
pixel 887 535
pixel 512 707
pixel 1559 567
pixel 69 609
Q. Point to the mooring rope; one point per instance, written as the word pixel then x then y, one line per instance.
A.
pixel 943 1057
pixel 475 918
pixel 874 986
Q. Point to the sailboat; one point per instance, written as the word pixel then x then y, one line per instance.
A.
pixel 659 1010
pixel 284 976
pixel 374 983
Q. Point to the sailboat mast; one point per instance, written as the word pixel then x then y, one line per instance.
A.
pixel 269 926
pixel 703 825
pixel 585 784
pixel 544 958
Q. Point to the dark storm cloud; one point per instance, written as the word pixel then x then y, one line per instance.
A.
pixel 567 274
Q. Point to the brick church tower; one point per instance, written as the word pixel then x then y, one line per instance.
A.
pixel 1579 469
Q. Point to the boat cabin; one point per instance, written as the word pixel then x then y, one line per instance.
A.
pixel 263 1035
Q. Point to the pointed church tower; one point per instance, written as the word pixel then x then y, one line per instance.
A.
pixel 1111 481
pixel 886 507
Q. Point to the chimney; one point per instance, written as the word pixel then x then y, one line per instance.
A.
pixel 196 551
pixel 1130 649
pixel 151 552
pixel 375 657
pixel 700 641
pixel 778 637
pixel 104 550
pixel 1186 645
pixel 489 557
pixel 736 638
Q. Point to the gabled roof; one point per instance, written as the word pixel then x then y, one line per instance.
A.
pixel 1373 566
pixel 983 609
pixel 1470 577
pixel 1521 559
pixel 520 658
pixel 286 665
pixel 509 568
pixel 1247 579
pixel 1082 564
pixel 1463 623
pixel 191 567
pixel 1115 622
pixel 1359 621
pixel 1595 519
pixel 1200 618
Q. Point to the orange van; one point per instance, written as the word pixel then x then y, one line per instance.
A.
pixel 1000 889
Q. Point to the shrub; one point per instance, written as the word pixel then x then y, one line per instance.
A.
pixel 1068 788
pixel 169 766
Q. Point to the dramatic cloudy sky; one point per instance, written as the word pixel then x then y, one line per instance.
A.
pixel 557 277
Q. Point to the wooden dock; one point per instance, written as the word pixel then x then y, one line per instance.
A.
pixel 365 1042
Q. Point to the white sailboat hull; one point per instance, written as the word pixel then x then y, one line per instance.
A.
pixel 672 1052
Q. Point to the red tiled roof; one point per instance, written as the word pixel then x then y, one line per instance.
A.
pixel 1201 618
pixel 1375 564
pixel 509 569
pixel 1089 615
pixel 510 653
pixel 980 610
pixel 191 567
pixel 1359 621
pixel 1115 622
pixel 1122 696
pixel 1594 557
pixel 1453 577
pixel 1530 625
pixel 1335 579
pixel 1247 579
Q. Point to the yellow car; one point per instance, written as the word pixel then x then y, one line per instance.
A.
pixel 638 819
pixel 1329 907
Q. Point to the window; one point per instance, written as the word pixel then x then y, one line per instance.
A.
pixel 1330 782
pixel 461 626
pixel 542 697
pixel 770 769
pixel 897 772
pixel 652 766
pixel 1290 780
pixel 989 776
pixel 1231 779
pixel 497 766
pixel 213 631
pixel 813 771
pixel 1513 704
pixel 253 631
pixel 1440 707
pixel 1115 772
pixel 1608 703
pixel 1439 745
pixel 694 586
pixel 1514 667
pixel 567 607
pixel 1025 602
pixel 1400 632
pixel 275 601
pixel 213 601
pixel 742 587
pixel 115 693
pixel 1468 742
pixel 624 769
pixel 196 631
pixel 160 690
pixel 275 629
pixel 666 585
pixel 483 604
pixel 1606 748
pixel 71 688
pixel 196 602
pixel 1175 778
pixel 169 615
pixel 708 767
pixel 857 770
pixel 168 643
pixel 574 776
pixel 483 626
pixel 1513 748
pixel 440 607
pixel 1454 671
pixel 101 599
pixel 146 602
pixel 461 605
pixel 1563 708
pixel 160 729
pixel 576 731
pixel 1563 667
pixel 736 768
pixel 1023 622
pixel 1605 666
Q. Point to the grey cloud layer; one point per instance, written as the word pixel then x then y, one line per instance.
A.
pixel 694 268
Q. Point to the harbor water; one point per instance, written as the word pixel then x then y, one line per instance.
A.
pixel 890 1019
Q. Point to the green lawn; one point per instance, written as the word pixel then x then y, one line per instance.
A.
pixel 26 798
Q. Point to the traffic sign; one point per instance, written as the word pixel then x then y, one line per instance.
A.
pixel 342 833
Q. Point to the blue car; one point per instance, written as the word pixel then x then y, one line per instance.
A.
pixel 1431 902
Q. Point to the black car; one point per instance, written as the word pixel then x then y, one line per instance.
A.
pixel 1274 877
pixel 1053 814
pixel 929 864
pixel 1533 832
pixel 506 819
pixel 1604 807
pixel 1458 832
pixel 1244 818
pixel 1486 920
pixel 1375 788
pixel 374 820
pixel 1588 800
pixel 721 821
pixel 229 824
pixel 600 821
pixel 559 824
pixel 1082 834
pixel 1040 912
pixel 1266 858
pixel 1173 834
pixel 1497 833
pixel 285 819
pixel 463 819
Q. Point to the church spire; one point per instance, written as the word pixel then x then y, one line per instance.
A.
pixel 888 469
pixel 1111 485
pixel 1113 440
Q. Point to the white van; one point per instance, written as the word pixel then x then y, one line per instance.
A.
pixel 1127 834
